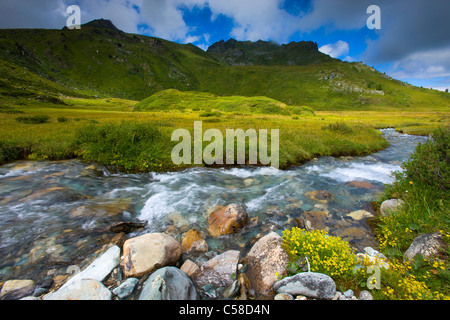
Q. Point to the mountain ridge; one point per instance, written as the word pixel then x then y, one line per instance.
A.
pixel 101 60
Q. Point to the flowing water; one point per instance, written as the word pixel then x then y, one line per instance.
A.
pixel 55 214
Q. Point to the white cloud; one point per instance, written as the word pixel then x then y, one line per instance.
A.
pixel 336 50
pixel 32 14
pixel 336 14
pixel 423 64
pixel 120 12
pixel 256 20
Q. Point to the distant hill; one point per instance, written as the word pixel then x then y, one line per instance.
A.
pixel 100 60
pixel 213 105
pixel 239 53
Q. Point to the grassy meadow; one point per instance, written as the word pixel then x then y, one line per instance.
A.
pixel 114 132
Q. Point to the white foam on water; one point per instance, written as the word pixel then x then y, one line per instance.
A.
pixel 164 200
pixel 361 171
pixel 251 173
pixel 121 191
pixel 272 196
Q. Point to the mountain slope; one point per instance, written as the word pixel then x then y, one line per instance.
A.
pixel 100 60
pixel 238 53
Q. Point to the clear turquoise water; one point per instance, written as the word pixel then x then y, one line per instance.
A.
pixel 41 236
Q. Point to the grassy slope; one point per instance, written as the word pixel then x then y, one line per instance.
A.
pixel 170 100
pixel 107 62
pixel 330 86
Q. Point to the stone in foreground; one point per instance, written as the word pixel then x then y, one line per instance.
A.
pixel 149 252
pixel 309 284
pixel 168 283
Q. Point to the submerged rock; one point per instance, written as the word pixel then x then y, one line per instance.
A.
pixel 227 220
pixel 360 214
pixel 361 184
pixel 194 242
pixel 103 209
pixel 126 227
pixel 321 196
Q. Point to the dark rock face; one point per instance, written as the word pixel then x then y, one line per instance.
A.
pixel 243 53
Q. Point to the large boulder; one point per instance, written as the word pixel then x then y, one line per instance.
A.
pixel 168 283
pixel 146 253
pixel 428 245
pixel 265 260
pixel 218 271
pixel 227 220
pixel 389 206
pixel 309 284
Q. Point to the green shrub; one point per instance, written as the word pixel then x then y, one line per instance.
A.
pixel 131 146
pixel 430 164
pixel 62 119
pixel 208 114
pixel 34 119
pixel 9 110
pixel 10 152
pixel 340 127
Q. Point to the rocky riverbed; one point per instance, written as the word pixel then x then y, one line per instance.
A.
pixel 58 217
pixel 156 266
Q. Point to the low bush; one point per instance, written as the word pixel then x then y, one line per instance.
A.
pixel 39 119
pixel 340 127
pixel 131 146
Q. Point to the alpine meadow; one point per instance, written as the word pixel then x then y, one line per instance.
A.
pixel 250 170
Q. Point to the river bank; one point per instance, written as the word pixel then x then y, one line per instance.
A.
pixel 64 214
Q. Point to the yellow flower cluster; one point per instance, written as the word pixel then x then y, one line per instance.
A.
pixel 408 288
pixel 325 253
pixel 386 237
pixel 411 287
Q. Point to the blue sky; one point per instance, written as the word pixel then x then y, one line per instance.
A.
pixel 412 45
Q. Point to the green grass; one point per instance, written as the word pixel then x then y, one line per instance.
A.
pixel 424 186
pixel 106 63
pixel 170 100
pixel 301 139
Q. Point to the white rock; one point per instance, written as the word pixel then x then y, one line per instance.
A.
pixel 83 289
pixel 100 268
